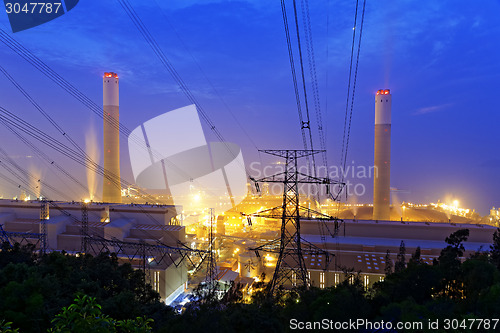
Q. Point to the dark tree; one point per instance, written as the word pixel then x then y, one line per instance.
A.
pixel 388 263
pixel 17 254
pixel 401 260
pixel 456 239
pixel 33 290
pixel 234 294
pixel 415 258
pixel 495 249
pixel 449 263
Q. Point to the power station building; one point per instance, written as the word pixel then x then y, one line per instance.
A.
pixel 382 159
pixel 130 224
pixel 361 246
pixel 111 187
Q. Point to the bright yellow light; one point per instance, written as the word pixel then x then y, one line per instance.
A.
pixel 197 197
pixel 86 200
pixel 455 203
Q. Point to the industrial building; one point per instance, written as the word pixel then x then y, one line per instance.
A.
pixel 149 224
pixel 362 246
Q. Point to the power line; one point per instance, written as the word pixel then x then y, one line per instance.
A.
pixel 343 154
pixel 136 20
pixel 27 175
pixel 294 76
pixel 69 88
pixel 350 93
pixel 37 63
pixel 206 77
pixel 11 120
pixel 307 124
pixel 314 79
pixel 354 83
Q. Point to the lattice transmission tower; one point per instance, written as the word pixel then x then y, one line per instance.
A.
pixel 291 268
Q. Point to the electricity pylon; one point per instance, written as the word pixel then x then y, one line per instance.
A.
pixel 291 266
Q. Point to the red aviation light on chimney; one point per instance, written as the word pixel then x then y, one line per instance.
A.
pixel 111 74
pixel 383 92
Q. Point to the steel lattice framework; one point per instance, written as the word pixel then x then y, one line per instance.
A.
pixel 12 237
pixel 147 255
pixel 211 278
pixel 84 231
pixel 44 215
pixel 291 266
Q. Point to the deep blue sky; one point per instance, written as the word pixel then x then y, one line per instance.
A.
pixel 439 58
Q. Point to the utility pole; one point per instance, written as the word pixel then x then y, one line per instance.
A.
pixel 85 227
pixel 44 215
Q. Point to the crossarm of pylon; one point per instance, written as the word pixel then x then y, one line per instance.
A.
pixel 157 251
pixel 27 235
pixel 291 153
pixel 9 237
pixel 317 215
pixel 269 213
pixel 305 178
pixel 134 245
pixel 272 246
pixel 337 195
pixel 277 213
pixel 270 179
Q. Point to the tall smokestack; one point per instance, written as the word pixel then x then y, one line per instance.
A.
pixel 111 190
pixel 382 180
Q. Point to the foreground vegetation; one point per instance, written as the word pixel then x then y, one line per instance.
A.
pixel 64 293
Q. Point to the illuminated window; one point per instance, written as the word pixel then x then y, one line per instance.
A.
pixel 156 281
pixel 336 278
pixel 366 280
pixel 322 280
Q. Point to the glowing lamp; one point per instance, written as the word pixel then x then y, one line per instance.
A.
pixel 111 74
pixel 383 92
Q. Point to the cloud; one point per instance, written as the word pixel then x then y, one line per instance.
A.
pixel 431 109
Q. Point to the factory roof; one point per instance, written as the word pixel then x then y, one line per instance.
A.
pixel 158 227
pixel 393 242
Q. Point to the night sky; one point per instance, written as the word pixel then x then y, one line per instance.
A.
pixel 439 58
